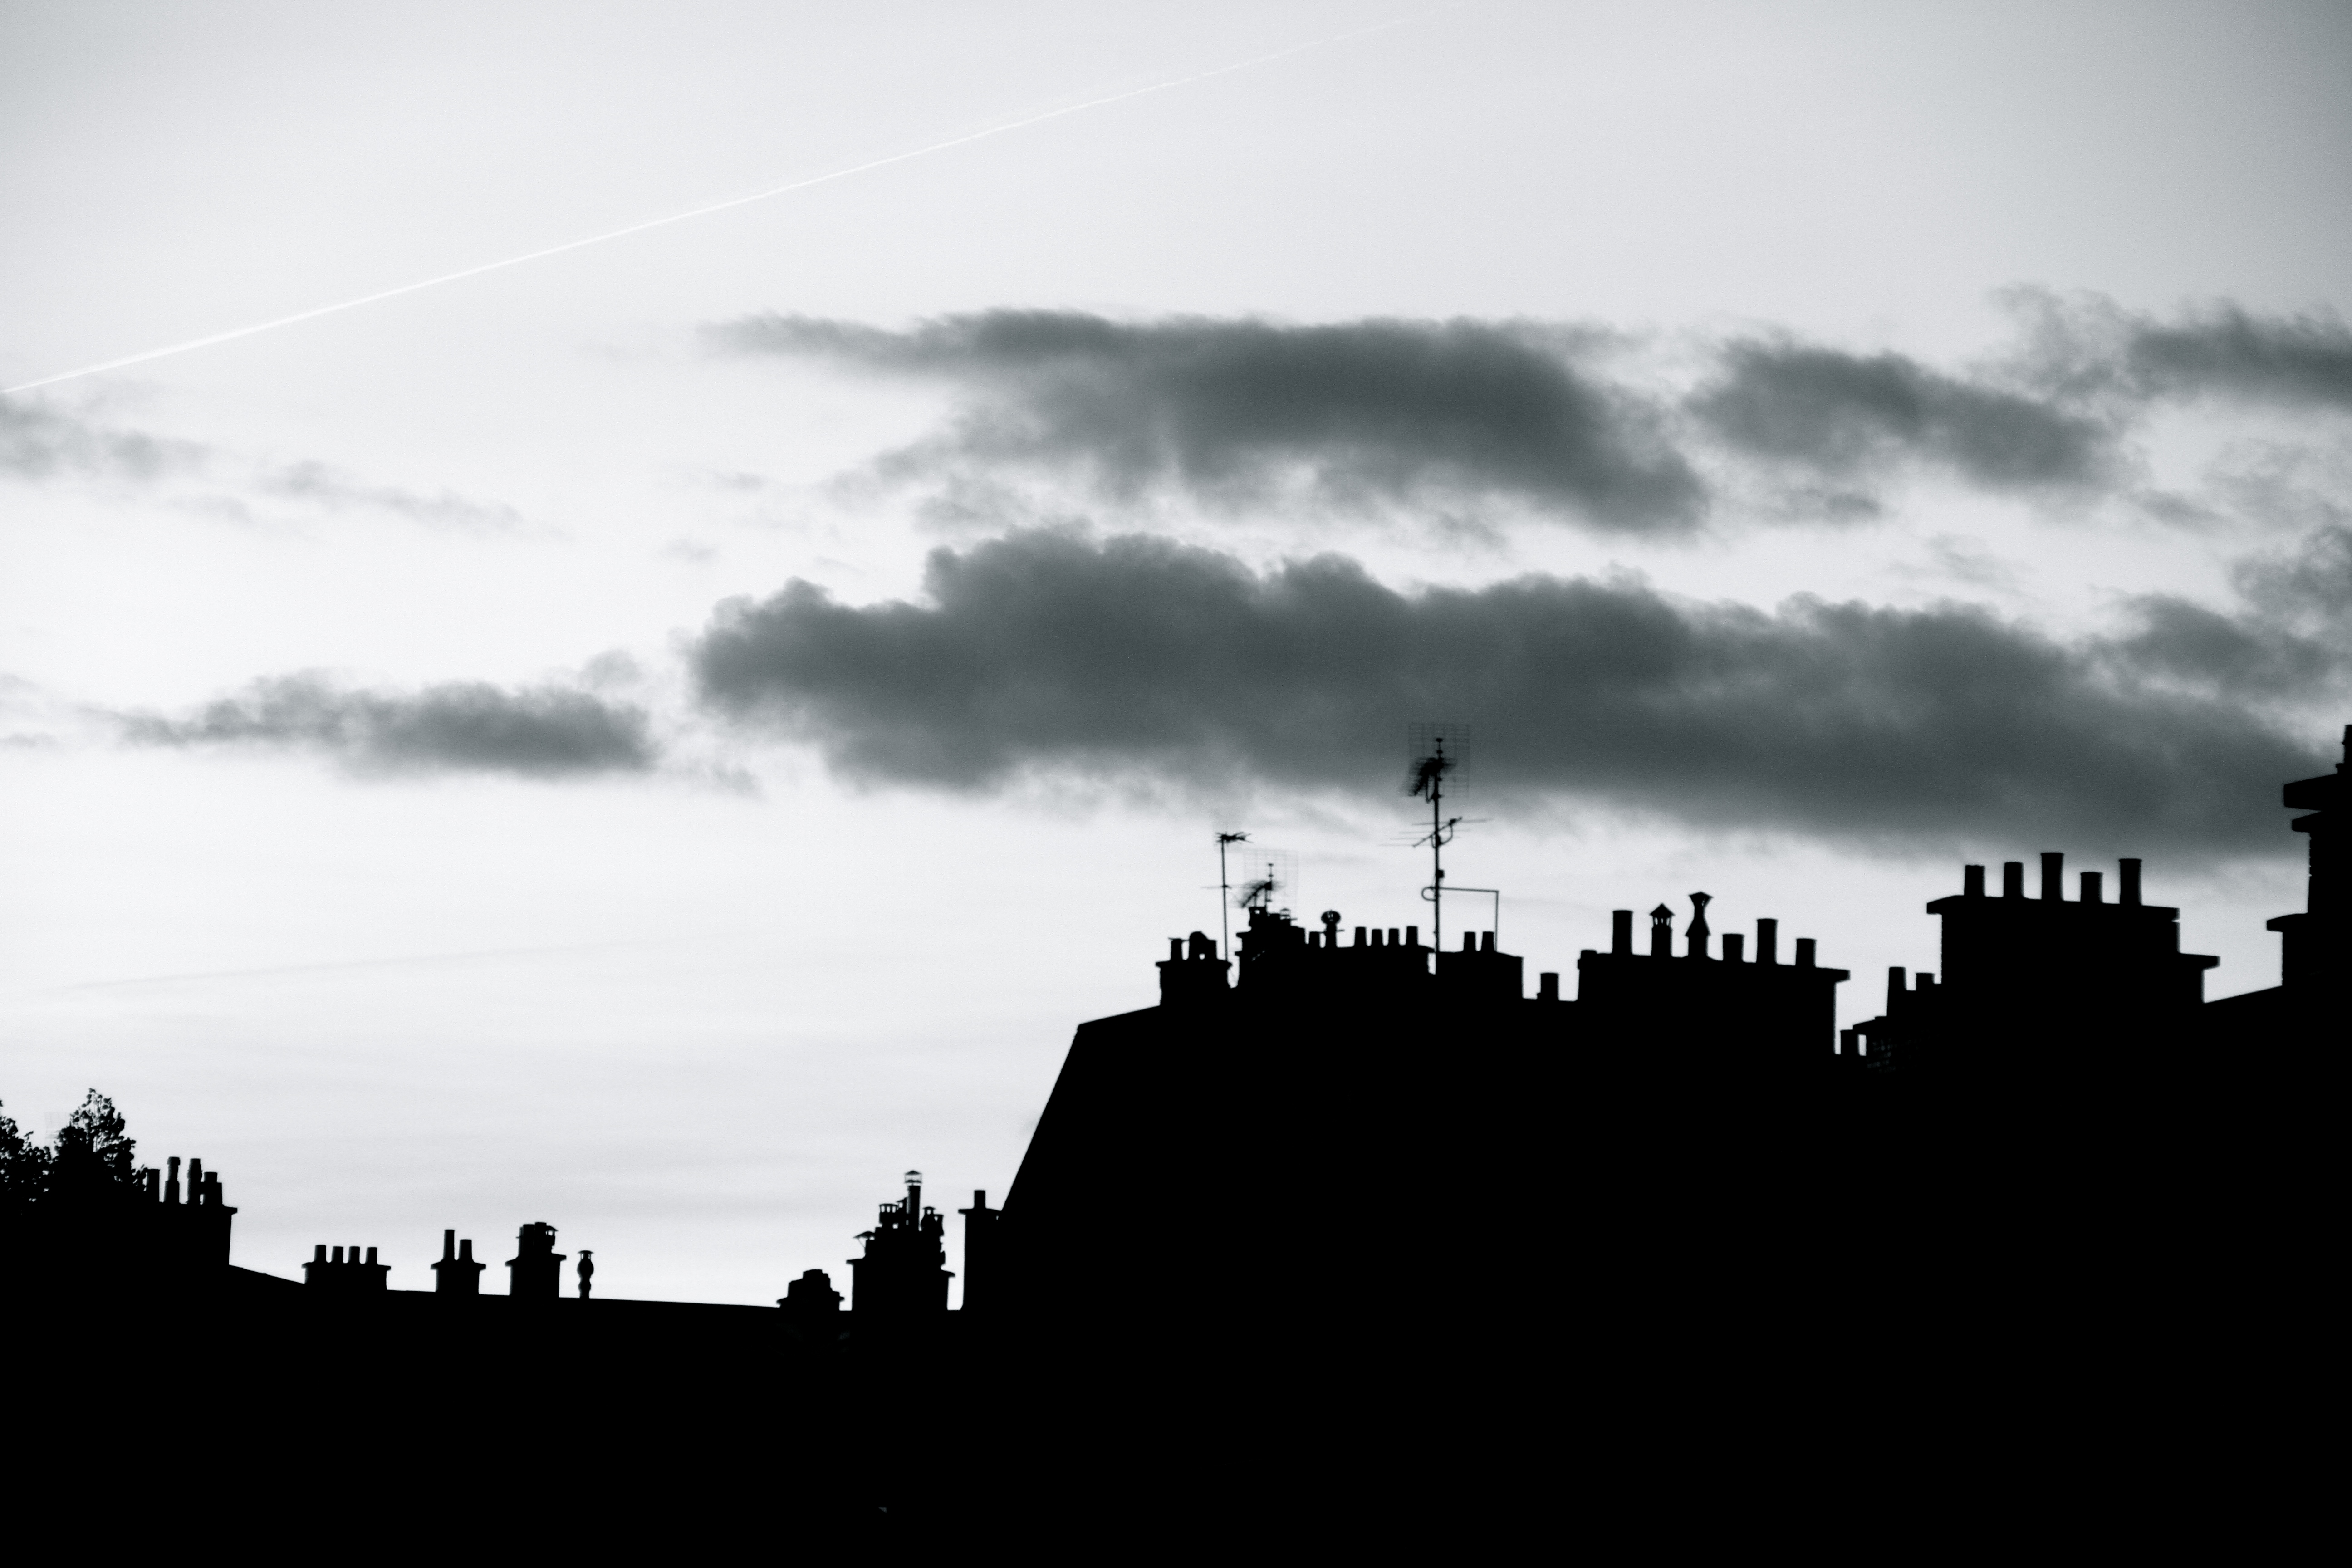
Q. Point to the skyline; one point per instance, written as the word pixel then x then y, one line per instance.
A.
pixel 716 710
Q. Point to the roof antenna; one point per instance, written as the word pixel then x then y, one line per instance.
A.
pixel 1435 749
pixel 1269 871
pixel 1225 894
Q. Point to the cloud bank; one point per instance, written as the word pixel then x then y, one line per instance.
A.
pixel 541 731
pixel 1386 413
pixel 1362 412
pixel 1138 657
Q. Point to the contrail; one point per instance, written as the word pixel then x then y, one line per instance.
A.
pixel 963 141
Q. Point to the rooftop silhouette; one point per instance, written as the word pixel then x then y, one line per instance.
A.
pixel 1688 1128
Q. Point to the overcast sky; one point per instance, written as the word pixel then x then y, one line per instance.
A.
pixel 663 737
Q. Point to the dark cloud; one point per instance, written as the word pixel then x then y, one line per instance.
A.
pixel 1141 657
pixel 1361 413
pixel 38 443
pixel 1855 414
pixel 542 732
pixel 2310 585
pixel 2087 346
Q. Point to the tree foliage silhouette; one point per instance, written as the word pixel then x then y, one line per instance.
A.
pixel 24 1164
pixel 92 1158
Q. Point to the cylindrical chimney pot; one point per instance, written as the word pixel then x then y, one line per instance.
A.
pixel 2012 879
pixel 2127 882
pixel 1804 953
pixel 1621 931
pixel 1972 881
pixel 1768 941
pixel 2094 890
pixel 2053 876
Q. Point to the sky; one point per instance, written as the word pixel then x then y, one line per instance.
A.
pixel 664 736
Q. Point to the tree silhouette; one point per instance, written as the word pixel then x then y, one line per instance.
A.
pixel 92 1160
pixel 24 1165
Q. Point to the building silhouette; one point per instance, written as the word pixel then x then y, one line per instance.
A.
pixel 1684 1165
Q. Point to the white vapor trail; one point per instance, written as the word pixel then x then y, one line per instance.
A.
pixel 963 141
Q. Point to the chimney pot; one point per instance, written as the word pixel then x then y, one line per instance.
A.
pixel 2094 890
pixel 1804 953
pixel 1893 987
pixel 1734 948
pixel 1621 931
pixel 1768 941
pixel 2127 883
pixel 2053 876
pixel 1485 941
pixel 1360 936
pixel 2012 879
pixel 1412 936
pixel 1972 881
pixel 1547 986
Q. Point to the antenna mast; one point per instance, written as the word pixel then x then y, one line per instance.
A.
pixel 1225 895
pixel 1435 750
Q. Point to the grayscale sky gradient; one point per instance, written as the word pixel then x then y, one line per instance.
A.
pixel 663 737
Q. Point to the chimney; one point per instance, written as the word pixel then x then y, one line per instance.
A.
pixel 338 1256
pixel 371 1258
pixel 1621 931
pixel 1485 941
pixel 1175 950
pixel 1972 881
pixel 1698 932
pixel 1469 941
pixel 1768 941
pixel 1662 932
pixel 2012 879
pixel 448 1246
pixel 172 1187
pixel 1734 948
pixel 1412 936
pixel 1393 936
pixel 2093 888
pixel 1360 936
pixel 1893 988
pixel 1548 987
pixel 2053 877
pixel 2127 883
pixel 1804 953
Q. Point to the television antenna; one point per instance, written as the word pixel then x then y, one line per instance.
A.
pixel 1264 874
pixel 1435 748
pixel 1225 893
